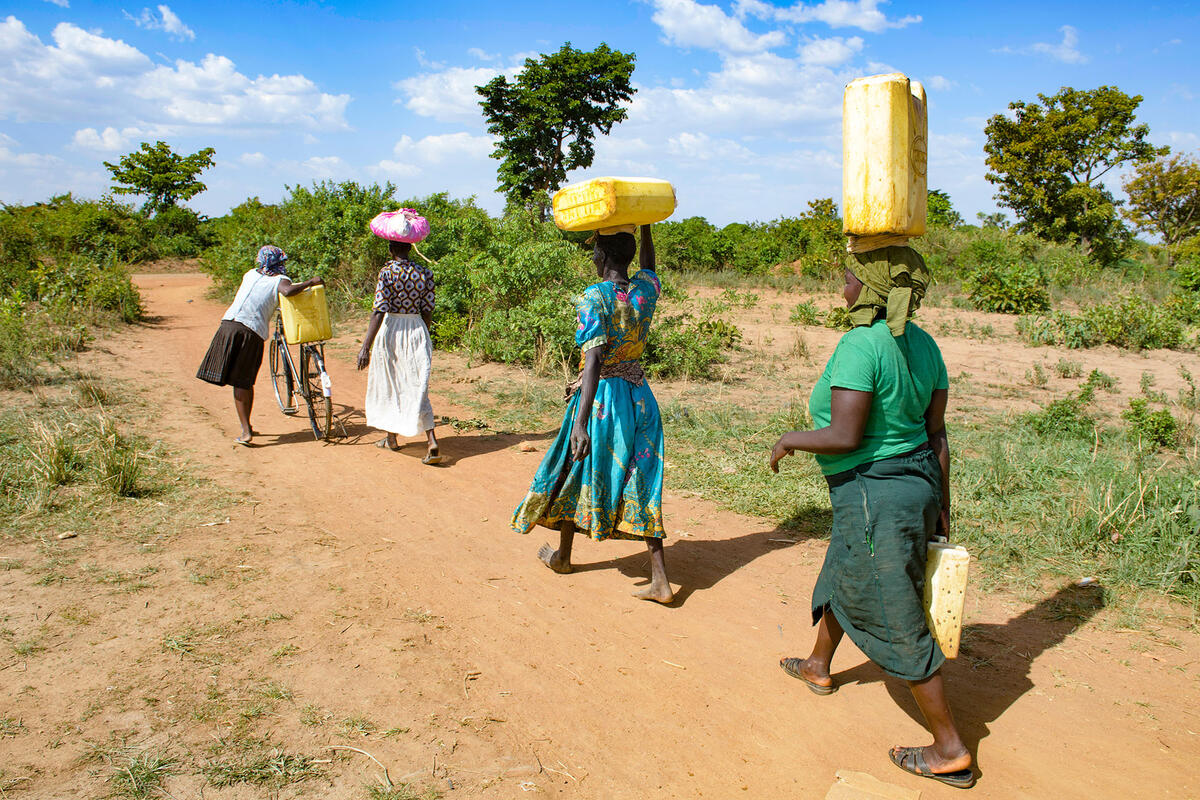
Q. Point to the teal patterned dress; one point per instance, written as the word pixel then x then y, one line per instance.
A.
pixel 616 491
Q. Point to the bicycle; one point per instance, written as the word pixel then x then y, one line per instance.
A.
pixel 310 381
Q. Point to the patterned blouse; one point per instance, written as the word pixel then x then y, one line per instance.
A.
pixel 404 287
pixel 618 319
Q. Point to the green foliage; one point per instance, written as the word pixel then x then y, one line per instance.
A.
pixel 1047 159
pixel 1066 417
pixel 1164 198
pixel 838 318
pixel 1157 428
pixel 940 212
pixel 160 175
pixel 1129 322
pixel 805 313
pixel 812 243
pixel 547 118
pixel 1008 288
pixel 1187 275
pixel 1068 369
pixel 679 347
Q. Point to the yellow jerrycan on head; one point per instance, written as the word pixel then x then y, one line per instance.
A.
pixel 306 316
pixel 884 153
pixel 613 202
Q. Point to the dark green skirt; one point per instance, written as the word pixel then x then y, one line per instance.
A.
pixel 873 578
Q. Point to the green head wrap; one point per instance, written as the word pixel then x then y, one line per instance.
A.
pixel 894 279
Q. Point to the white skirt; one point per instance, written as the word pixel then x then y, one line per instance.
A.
pixel 398 377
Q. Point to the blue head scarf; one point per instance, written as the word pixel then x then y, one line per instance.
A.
pixel 271 260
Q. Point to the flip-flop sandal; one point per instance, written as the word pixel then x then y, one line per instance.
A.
pixel 383 445
pixel 792 667
pixel 244 442
pixel 432 457
pixel 912 760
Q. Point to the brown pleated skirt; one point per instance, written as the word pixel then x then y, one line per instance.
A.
pixel 233 358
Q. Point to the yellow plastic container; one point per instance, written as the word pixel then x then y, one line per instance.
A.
pixel 306 316
pixel 946 593
pixel 884 152
pixel 611 202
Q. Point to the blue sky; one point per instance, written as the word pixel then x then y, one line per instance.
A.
pixel 739 103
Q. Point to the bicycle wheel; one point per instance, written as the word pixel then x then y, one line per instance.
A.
pixel 281 377
pixel 316 387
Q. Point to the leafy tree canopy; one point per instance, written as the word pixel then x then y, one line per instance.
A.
pixel 940 212
pixel 160 175
pixel 547 118
pixel 1047 159
pixel 1164 198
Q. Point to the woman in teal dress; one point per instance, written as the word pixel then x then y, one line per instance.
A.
pixel 603 474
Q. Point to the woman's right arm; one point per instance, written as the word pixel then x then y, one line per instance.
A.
pixel 935 427
pixel 581 441
pixel 289 289
pixel 364 355
pixel 646 250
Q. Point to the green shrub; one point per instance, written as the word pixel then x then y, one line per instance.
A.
pixel 1065 417
pixel 1133 323
pixel 1130 322
pixel 1007 288
pixel 1157 428
pixel 1184 306
pixel 838 318
pixel 1187 274
pixel 678 347
pixel 805 313
pixel 1068 369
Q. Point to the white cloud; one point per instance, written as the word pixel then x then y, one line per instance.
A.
pixel 36 161
pixel 448 95
pixel 87 75
pixel 482 55
pixel 686 23
pixel 109 140
pixel 702 147
pixel 830 52
pixel 1066 51
pixel 60 3
pixel 1183 140
pixel 444 148
pixel 940 83
pixel 252 159
pixel 325 166
pixel 167 21
pixel 864 14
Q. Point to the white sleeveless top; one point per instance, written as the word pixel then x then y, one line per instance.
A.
pixel 255 302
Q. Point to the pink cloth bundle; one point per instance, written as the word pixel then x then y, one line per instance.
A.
pixel 405 225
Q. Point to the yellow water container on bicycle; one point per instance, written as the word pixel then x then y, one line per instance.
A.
pixel 306 316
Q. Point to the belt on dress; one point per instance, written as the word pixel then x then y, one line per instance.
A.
pixel 630 371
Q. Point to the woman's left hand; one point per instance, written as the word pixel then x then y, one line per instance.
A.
pixel 364 358
pixel 778 452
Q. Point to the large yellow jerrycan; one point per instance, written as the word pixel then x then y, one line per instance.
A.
pixel 611 202
pixel 946 593
pixel 884 151
pixel 306 316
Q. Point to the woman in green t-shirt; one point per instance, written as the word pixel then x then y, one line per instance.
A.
pixel 879 436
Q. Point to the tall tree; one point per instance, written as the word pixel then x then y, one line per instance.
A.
pixel 1164 198
pixel 547 118
pixel 1048 157
pixel 940 211
pixel 160 175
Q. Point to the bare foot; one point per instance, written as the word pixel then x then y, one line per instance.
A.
pixel 937 762
pixel 659 593
pixel 551 559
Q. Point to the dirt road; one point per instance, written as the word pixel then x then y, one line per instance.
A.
pixel 617 698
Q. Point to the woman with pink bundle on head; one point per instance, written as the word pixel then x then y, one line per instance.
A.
pixel 397 346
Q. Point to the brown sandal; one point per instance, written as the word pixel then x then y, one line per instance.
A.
pixel 912 760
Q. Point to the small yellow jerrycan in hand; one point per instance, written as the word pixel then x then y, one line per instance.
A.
pixel 946 593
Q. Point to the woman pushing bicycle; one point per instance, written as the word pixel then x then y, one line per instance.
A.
pixel 236 351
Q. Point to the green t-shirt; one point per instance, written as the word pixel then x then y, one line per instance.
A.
pixel 901 372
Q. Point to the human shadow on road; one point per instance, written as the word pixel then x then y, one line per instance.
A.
pixel 992 669
pixel 695 564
